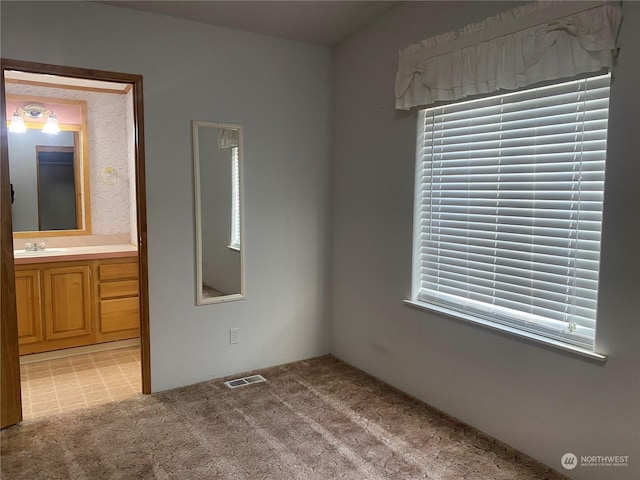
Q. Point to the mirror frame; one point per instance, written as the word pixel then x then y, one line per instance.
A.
pixel 83 191
pixel 195 125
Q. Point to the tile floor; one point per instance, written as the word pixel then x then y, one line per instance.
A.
pixel 65 384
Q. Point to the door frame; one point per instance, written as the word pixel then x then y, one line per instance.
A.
pixel 10 402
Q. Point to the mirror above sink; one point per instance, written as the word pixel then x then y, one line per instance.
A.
pixel 217 165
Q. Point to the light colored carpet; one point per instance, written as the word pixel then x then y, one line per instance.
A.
pixel 318 419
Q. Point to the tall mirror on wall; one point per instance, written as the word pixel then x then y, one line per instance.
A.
pixel 48 160
pixel 217 166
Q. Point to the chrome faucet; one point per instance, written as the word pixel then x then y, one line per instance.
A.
pixel 34 247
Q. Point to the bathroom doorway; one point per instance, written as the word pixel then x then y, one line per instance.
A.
pixel 128 358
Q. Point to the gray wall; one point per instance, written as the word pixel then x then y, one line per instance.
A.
pixel 280 91
pixel 539 400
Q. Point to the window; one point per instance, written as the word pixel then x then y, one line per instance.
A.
pixel 508 210
pixel 235 199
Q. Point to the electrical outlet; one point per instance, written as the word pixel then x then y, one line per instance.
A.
pixel 234 335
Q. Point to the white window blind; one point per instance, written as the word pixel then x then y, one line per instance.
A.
pixel 235 199
pixel 509 193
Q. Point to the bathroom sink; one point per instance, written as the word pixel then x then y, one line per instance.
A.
pixel 39 253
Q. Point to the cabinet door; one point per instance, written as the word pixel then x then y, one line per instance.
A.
pixel 67 302
pixel 29 307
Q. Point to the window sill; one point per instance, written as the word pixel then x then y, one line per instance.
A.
pixel 528 336
pixel 235 249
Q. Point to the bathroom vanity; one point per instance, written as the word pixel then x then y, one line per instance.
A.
pixel 72 297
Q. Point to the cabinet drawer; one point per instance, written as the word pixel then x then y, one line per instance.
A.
pixel 119 314
pixel 123 288
pixel 117 271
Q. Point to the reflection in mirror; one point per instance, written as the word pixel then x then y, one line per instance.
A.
pixel 217 165
pixel 49 171
pixel 43 179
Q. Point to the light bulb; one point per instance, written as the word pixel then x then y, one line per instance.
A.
pixel 17 124
pixel 52 125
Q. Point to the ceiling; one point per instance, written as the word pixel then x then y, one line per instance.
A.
pixel 325 23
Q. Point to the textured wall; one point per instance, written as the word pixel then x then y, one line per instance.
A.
pixel 542 401
pixel 108 146
pixel 131 171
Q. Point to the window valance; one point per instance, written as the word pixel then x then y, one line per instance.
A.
pixel 533 43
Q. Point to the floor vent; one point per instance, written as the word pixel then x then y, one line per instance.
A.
pixel 241 382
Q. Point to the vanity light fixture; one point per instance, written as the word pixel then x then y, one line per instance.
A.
pixel 34 111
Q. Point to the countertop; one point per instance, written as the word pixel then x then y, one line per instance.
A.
pixel 66 254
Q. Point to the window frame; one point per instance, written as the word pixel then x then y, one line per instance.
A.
pixel 418 257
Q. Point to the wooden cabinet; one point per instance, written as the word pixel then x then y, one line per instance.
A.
pixel 71 304
pixel 55 306
pixel 119 306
